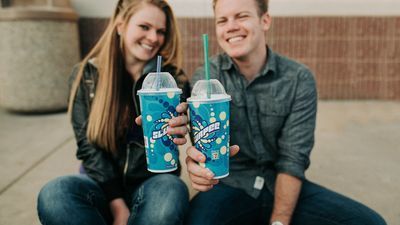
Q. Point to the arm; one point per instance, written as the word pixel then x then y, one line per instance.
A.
pixel 97 163
pixel 295 145
pixel 119 211
pixel 287 189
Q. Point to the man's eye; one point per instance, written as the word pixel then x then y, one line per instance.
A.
pixel 221 21
pixel 144 27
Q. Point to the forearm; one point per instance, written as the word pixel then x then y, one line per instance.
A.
pixel 287 190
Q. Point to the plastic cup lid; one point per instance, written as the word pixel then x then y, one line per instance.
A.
pixel 159 82
pixel 216 89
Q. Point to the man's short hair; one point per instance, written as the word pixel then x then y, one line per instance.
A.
pixel 262 6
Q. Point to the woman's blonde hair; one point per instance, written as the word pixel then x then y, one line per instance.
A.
pixel 110 107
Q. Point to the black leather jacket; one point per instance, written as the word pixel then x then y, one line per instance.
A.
pixel 114 173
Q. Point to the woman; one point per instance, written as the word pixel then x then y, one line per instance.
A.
pixel 116 187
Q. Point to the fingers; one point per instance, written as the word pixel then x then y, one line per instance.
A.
pixel 233 150
pixel 180 141
pixel 182 130
pixel 138 120
pixel 201 184
pixel 201 178
pixel 195 154
pixel 182 107
pixel 181 120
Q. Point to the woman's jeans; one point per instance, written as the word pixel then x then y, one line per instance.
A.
pixel 77 199
pixel 317 205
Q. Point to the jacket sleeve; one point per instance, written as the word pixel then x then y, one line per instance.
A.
pixel 98 164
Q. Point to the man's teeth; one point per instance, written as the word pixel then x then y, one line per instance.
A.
pixel 148 47
pixel 235 39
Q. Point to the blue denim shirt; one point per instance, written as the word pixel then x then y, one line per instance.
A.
pixel 272 119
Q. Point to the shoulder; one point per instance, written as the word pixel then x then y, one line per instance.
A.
pixel 216 62
pixel 89 70
pixel 292 69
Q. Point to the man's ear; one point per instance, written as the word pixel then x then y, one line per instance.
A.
pixel 266 21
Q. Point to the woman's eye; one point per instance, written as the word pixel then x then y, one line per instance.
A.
pixel 161 32
pixel 144 27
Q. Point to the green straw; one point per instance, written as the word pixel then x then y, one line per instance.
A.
pixel 206 64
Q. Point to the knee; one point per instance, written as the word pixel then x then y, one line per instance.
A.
pixel 370 217
pixel 53 197
pixel 374 219
pixel 169 199
pixel 171 187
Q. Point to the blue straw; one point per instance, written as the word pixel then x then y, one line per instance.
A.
pixel 158 80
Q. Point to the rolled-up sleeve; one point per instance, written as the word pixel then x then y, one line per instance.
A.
pixel 297 137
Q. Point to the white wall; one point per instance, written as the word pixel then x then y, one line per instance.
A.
pixel 202 8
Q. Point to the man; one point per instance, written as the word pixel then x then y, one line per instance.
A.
pixel 273 113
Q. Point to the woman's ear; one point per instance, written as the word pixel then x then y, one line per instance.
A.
pixel 120 25
pixel 266 20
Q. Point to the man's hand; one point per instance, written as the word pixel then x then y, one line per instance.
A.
pixel 177 125
pixel 202 178
pixel 119 211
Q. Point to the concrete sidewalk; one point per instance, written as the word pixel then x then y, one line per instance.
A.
pixel 357 153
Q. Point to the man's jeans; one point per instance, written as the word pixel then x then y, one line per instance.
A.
pixel 77 199
pixel 316 206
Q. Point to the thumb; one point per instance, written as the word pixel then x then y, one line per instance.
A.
pixel 138 120
pixel 233 150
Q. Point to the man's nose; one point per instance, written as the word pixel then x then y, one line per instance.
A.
pixel 232 25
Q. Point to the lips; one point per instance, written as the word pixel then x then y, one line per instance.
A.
pixel 147 47
pixel 235 39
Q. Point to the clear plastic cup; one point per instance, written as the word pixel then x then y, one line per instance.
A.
pixel 209 120
pixel 159 97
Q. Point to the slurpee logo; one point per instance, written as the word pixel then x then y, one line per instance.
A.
pixel 159 133
pixel 206 131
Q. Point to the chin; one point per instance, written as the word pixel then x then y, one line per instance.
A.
pixel 237 54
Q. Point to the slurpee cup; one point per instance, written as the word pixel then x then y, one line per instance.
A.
pixel 209 120
pixel 159 97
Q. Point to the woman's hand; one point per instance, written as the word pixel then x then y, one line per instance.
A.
pixel 119 211
pixel 177 125
pixel 202 178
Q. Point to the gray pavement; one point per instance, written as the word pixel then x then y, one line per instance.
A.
pixel 357 153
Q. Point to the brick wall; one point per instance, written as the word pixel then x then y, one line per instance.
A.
pixel 351 57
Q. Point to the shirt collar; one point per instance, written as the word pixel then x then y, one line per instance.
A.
pixel 227 62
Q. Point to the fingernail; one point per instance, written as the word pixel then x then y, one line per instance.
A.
pixel 210 175
pixel 200 157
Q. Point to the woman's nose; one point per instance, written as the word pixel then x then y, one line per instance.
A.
pixel 152 35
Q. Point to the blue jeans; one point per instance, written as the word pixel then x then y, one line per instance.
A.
pixel 77 199
pixel 317 205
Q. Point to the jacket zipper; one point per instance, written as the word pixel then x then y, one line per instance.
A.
pixel 128 150
pixel 134 98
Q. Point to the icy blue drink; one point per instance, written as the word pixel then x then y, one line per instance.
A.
pixel 157 108
pixel 209 119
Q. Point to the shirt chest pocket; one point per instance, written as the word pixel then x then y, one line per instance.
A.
pixel 271 116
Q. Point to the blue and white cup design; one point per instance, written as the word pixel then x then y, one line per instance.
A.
pixel 210 130
pixel 157 109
